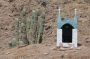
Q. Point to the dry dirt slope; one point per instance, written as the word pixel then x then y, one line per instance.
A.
pixel 10 10
pixel 46 52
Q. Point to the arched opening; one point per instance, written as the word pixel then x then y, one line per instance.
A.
pixel 67 33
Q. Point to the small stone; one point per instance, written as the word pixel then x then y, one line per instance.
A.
pixel 46 53
pixel 62 49
pixel 8 53
pixel 54 48
pixel 78 48
pixel 48 44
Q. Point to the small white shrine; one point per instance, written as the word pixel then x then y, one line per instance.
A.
pixel 67 32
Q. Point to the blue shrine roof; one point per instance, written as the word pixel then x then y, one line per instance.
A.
pixel 61 22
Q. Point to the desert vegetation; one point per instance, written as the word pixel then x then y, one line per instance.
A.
pixel 28 29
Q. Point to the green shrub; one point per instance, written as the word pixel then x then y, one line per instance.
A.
pixel 28 30
pixel 13 43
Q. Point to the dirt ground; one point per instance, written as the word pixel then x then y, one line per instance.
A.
pixel 46 52
pixel 9 10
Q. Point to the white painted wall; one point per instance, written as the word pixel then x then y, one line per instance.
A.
pixel 74 39
pixel 59 36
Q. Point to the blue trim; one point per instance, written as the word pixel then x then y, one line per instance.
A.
pixel 73 22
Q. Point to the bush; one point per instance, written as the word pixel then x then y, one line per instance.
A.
pixel 28 30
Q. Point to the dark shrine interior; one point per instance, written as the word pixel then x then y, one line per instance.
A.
pixel 67 33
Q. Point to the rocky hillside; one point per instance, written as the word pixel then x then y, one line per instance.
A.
pixel 10 9
pixel 46 52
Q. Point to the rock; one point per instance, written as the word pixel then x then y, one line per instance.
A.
pixel 62 49
pixel 8 53
pixel 79 48
pixel 54 48
pixel 46 53
pixel 48 44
